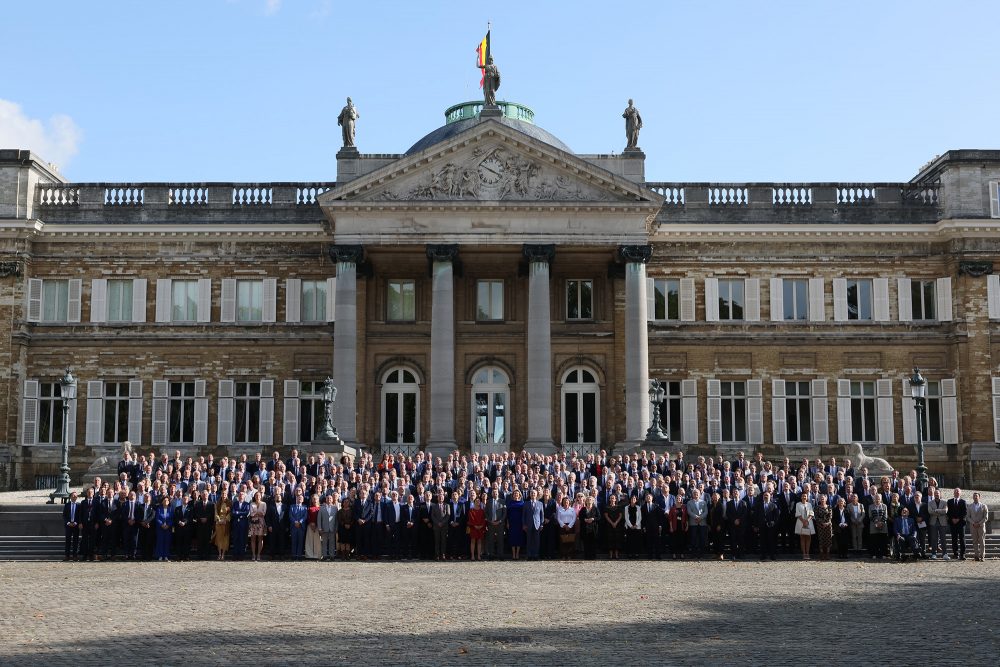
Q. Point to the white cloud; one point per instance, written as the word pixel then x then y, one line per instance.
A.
pixel 272 6
pixel 56 141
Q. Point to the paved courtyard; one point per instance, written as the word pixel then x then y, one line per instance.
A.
pixel 498 613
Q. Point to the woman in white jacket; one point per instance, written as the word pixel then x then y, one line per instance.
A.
pixel 804 527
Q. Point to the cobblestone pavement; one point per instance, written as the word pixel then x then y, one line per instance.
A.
pixel 577 613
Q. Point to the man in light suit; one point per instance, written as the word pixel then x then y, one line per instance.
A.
pixel 697 511
pixel 327 521
pixel 978 515
pixel 534 517
pixel 496 519
pixel 937 510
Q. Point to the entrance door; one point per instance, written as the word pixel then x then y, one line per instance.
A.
pixel 490 389
pixel 581 408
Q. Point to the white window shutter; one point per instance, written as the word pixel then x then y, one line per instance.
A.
pixel 880 289
pixel 267 412
pixel 909 415
pixel 687 300
pixel 204 299
pixel 995 199
pixel 943 293
pixel 996 386
pixel 820 413
pixel 269 296
pixel 714 412
pixel 290 415
pixel 75 295
pixel 840 299
pixel 992 295
pixel 331 299
pixel 293 299
pixel 904 299
pixel 161 390
pixel 224 435
pixel 139 300
pixel 779 426
pixel 844 412
pixel 777 300
pixel 751 289
pixel 164 297
pixel 34 305
pixel 200 414
pixel 650 300
pixel 712 300
pixel 98 300
pixel 755 412
pixel 949 412
pixel 228 300
pixel 135 411
pixel 95 413
pixel 689 412
pixel 29 415
pixel 817 305
pixel 886 425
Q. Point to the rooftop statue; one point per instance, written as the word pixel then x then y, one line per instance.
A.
pixel 348 115
pixel 491 82
pixel 633 123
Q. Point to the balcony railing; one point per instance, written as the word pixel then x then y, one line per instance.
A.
pixel 187 195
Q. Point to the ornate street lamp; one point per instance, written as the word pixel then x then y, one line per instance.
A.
pixel 67 386
pixel 918 390
pixel 655 433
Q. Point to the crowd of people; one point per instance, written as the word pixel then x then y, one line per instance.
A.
pixel 512 505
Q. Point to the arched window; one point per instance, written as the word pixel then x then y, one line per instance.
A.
pixel 580 407
pixel 400 408
pixel 490 397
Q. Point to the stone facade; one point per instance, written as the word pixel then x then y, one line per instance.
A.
pixel 503 277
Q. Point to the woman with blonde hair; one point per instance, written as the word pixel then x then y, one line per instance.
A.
pixel 223 516
pixel 258 529
pixel 804 527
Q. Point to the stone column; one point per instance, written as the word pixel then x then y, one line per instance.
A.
pixel 345 341
pixel 539 350
pixel 636 341
pixel 441 440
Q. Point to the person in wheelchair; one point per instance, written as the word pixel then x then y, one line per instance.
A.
pixel 905 540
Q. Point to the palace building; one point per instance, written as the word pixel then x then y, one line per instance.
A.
pixel 490 289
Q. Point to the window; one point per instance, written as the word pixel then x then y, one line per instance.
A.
pixel 863 412
pixel 666 299
pixel 249 300
pixel 246 416
pixel 798 412
pixel 311 410
pixel 580 394
pixel 50 413
pixel 119 301
pixel 579 299
pixel 181 413
pixel 313 303
pixel 731 299
pixel 184 301
pixel 859 299
pixel 923 299
pixel 933 414
pixel 401 301
pixel 670 410
pixel 734 411
pixel 795 299
pixel 489 410
pixel 400 407
pixel 115 412
pixel 489 300
pixel 55 300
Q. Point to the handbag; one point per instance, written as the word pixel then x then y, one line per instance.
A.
pixel 567 536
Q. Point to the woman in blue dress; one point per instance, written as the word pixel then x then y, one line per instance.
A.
pixel 164 529
pixel 515 524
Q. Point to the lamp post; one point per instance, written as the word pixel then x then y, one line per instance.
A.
pixel 67 387
pixel 918 390
pixel 655 433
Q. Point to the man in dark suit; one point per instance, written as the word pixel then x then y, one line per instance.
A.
pixel 277 524
pixel 956 523
pixel 392 516
pixel 534 519
pixel 458 541
pixel 409 518
pixel 203 515
pixel 767 519
pixel 921 518
pixel 130 515
pixel 785 500
pixel 652 525
pixel 106 517
pixel 366 525
pixel 88 525
pixel 717 524
pixel 183 528
pixel 71 519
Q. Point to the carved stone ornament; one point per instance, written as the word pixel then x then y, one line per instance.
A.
pixel 347 253
pixel 635 253
pixel 493 174
pixel 8 269
pixel 442 252
pixel 975 269
pixel 539 252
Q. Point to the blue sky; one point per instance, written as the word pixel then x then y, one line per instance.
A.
pixel 249 90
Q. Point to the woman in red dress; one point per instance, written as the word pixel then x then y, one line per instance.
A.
pixel 476 523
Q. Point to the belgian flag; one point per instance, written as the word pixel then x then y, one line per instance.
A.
pixel 483 56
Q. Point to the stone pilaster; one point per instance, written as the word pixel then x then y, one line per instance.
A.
pixel 539 350
pixel 636 341
pixel 441 440
pixel 345 341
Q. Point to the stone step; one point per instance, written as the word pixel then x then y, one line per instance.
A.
pixel 31 547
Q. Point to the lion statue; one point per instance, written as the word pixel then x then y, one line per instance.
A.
pixel 105 463
pixel 875 465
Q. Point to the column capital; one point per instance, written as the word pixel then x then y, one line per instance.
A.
pixel 635 253
pixel 442 252
pixel 539 252
pixel 347 253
